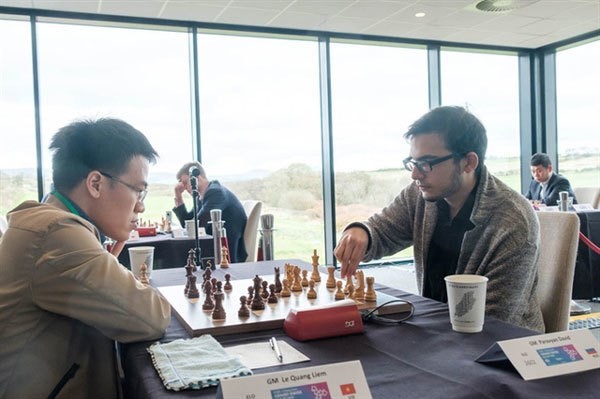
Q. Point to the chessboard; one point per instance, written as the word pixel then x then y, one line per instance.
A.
pixel 198 321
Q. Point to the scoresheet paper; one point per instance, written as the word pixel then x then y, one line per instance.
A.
pixel 548 355
pixel 331 381
pixel 260 354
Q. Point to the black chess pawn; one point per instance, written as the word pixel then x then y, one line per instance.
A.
pixel 272 297
pixel 228 286
pixel 250 292
pixel 265 292
pixel 244 311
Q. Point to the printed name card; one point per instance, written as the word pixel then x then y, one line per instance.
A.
pixel 548 355
pixel 331 381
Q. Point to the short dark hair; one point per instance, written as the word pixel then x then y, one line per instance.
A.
pixel 539 158
pixel 461 130
pixel 185 169
pixel 106 144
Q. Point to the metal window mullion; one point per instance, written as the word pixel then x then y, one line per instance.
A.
pixel 328 174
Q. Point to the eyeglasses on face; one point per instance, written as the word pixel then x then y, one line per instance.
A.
pixel 140 193
pixel 426 165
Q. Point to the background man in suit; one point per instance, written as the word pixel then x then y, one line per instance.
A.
pixel 212 195
pixel 546 185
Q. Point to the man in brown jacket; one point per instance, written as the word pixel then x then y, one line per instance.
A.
pixel 64 299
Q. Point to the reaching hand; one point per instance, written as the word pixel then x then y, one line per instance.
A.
pixel 351 249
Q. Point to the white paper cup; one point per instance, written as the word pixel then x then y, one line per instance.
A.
pixel 189 228
pixel 466 301
pixel 139 255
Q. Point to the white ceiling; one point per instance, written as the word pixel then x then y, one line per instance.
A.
pixel 534 24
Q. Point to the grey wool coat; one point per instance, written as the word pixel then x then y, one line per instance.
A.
pixel 502 246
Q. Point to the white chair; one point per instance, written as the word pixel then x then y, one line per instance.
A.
pixel 559 236
pixel 253 209
pixel 588 195
pixel 3 225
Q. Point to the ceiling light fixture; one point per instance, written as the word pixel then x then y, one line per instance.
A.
pixel 420 14
pixel 502 5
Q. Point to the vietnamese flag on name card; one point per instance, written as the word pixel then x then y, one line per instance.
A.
pixel 348 389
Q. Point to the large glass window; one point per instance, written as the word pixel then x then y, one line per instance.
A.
pixel 377 92
pixel 138 75
pixel 578 103
pixel 260 131
pixel 488 85
pixel 18 165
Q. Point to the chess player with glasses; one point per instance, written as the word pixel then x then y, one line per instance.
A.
pixel 459 217
pixel 64 299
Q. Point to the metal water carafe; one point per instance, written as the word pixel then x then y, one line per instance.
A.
pixel 217 233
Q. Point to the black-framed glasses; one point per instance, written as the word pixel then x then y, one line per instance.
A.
pixel 141 193
pixel 426 165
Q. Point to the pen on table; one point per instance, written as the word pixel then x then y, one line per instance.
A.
pixel 275 347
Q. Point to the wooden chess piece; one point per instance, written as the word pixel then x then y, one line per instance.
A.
pixel 257 301
pixel 370 295
pixel 228 286
pixel 330 278
pixel 348 284
pixel 316 276
pixel 272 297
pixel 359 293
pixel 311 294
pixel 189 271
pixel 339 293
pixel 193 291
pixel 250 292
pixel 296 285
pixel 265 289
pixel 144 274
pixel 350 292
pixel 206 276
pixel 219 311
pixel 208 303
pixel 244 311
pixel 304 281
pixel 214 284
pixel 285 291
pixel 278 285
pixel 289 272
pixel 191 260
pixel 224 256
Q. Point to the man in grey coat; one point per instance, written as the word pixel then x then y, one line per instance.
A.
pixel 460 219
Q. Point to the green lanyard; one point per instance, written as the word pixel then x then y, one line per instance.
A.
pixel 66 202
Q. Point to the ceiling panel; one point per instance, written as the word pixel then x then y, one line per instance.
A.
pixel 535 24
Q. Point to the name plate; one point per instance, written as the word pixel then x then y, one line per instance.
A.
pixel 549 355
pixel 336 381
